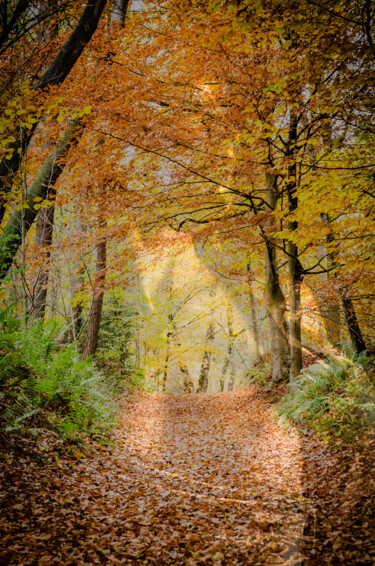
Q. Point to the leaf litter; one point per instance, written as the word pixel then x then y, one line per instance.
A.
pixel 191 479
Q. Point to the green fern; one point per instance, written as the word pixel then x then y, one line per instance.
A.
pixel 335 398
pixel 42 384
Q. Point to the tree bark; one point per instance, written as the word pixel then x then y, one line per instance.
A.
pixel 351 320
pixel 331 310
pixel 22 218
pixel 295 282
pixel 170 332
pixel 119 9
pixel 44 234
pixel 206 361
pixel 54 75
pixel 294 265
pixel 274 299
pixel 225 369
pixel 352 323
pixel 232 376
pixel 228 358
pixel 253 316
pixel 187 386
pixel 93 325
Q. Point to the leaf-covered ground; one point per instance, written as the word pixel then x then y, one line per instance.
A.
pixel 193 479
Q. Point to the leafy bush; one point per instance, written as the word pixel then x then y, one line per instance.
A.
pixel 336 397
pixel 43 385
pixel 260 372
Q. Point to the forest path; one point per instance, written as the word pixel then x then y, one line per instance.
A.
pixel 217 478
pixel 192 479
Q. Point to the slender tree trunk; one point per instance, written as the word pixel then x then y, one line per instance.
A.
pixel 295 281
pixel 93 325
pixel 232 376
pixel 253 316
pixel 21 220
pixel 166 363
pixel 331 320
pixel 188 386
pixel 351 320
pixel 44 234
pixel 352 323
pixel 119 10
pixel 74 329
pixel 331 310
pixel 206 361
pixel 274 300
pixel 228 359
pixel 225 368
pixel 295 269
pixel 54 75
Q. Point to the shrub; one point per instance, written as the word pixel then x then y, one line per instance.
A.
pixel 336 397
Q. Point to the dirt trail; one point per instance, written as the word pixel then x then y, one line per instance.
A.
pixel 193 479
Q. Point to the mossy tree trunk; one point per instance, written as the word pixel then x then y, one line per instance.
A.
pixel 26 212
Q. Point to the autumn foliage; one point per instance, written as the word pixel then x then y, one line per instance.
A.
pixel 187 193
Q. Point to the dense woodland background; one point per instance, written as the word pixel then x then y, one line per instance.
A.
pixel 187 204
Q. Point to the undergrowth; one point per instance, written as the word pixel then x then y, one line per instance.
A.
pixel 45 386
pixel 116 352
pixel 336 397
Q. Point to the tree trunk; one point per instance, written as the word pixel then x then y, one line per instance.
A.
pixel 228 359
pixel 274 300
pixel 351 320
pixel 77 309
pixel 21 220
pixel 166 365
pixel 76 323
pixel 54 75
pixel 171 333
pixel 352 323
pixel 188 385
pixel 253 317
pixel 93 325
pixel 331 320
pixel 295 269
pixel 295 281
pixel 225 368
pixel 331 310
pixel 119 9
pixel 206 361
pixel 232 376
pixel 44 233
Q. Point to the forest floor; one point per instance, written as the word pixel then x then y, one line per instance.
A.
pixel 191 479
